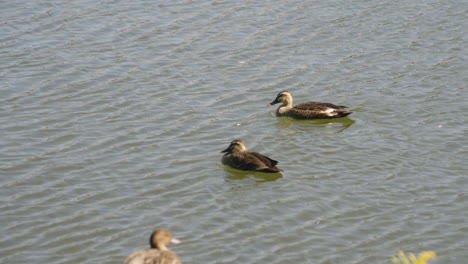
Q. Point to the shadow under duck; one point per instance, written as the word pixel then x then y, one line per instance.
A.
pixel 239 158
pixel 307 110
pixel 158 253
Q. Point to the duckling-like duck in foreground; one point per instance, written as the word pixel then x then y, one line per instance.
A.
pixel 158 253
pixel 307 110
pixel 239 158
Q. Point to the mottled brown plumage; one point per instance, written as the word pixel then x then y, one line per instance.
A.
pixel 158 253
pixel 307 110
pixel 239 158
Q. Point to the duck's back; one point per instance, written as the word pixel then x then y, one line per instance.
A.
pixel 317 106
pixel 253 161
pixel 152 256
pixel 266 160
pixel 312 110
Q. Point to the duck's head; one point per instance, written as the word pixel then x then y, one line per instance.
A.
pixel 283 97
pixel 160 238
pixel 235 146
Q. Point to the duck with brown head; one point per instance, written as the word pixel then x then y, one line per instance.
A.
pixel 307 110
pixel 239 158
pixel 158 253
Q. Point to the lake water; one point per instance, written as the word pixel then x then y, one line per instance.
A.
pixel 113 115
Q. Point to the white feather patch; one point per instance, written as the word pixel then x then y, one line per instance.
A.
pixel 330 112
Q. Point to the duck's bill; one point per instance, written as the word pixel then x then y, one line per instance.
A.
pixel 228 149
pixel 224 151
pixel 175 241
pixel 272 103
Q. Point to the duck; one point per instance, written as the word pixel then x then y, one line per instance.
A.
pixel 239 158
pixel 307 110
pixel 158 253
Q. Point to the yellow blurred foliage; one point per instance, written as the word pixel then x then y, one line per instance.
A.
pixel 410 258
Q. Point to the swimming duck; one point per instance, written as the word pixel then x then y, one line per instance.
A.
pixel 239 158
pixel 158 253
pixel 307 110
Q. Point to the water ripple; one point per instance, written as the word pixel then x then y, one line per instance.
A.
pixel 114 113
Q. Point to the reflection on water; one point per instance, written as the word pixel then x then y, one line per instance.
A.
pixel 336 125
pixel 236 175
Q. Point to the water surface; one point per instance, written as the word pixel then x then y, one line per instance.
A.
pixel 113 114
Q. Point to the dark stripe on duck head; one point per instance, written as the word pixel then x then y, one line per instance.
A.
pixel 235 143
pixel 278 97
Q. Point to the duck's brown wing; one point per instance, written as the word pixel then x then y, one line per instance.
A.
pixel 269 165
pixel 252 161
pixel 266 160
pixel 316 110
pixel 152 256
pixel 317 106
